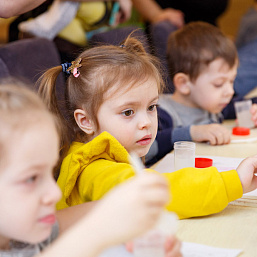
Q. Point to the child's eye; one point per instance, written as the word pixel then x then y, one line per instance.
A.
pixel 31 179
pixel 152 107
pixel 218 85
pixel 127 113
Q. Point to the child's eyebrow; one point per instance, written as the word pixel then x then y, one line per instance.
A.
pixel 32 168
pixel 138 102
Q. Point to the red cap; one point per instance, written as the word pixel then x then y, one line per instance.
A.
pixel 241 131
pixel 203 162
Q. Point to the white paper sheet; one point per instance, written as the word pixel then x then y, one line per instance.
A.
pixel 242 140
pixel 187 249
pixel 199 250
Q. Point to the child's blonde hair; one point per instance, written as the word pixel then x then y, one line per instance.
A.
pixel 195 46
pixel 102 68
pixel 18 105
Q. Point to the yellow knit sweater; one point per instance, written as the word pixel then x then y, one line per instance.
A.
pixel 90 170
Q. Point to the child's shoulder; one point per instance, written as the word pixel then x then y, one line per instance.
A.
pixel 103 143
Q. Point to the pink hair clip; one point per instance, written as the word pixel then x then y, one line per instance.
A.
pixel 74 67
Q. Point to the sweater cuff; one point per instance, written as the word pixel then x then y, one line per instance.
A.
pixel 232 184
pixel 181 134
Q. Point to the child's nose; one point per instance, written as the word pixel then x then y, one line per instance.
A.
pixel 52 194
pixel 144 122
pixel 230 90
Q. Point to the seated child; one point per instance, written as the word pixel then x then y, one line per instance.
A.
pixel 29 146
pixel 111 95
pixel 202 64
pixel 77 21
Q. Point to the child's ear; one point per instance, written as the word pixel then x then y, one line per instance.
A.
pixel 182 83
pixel 84 122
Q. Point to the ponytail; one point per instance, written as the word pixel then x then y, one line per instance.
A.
pixel 47 91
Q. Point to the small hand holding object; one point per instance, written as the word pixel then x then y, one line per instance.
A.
pixel 247 170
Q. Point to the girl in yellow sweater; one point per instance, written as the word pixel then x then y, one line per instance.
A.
pixel 111 96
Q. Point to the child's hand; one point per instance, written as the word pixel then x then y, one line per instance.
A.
pixel 216 134
pixel 254 114
pixel 132 208
pixel 246 170
pixel 172 247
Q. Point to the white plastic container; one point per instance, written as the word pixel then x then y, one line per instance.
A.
pixel 243 113
pixel 184 154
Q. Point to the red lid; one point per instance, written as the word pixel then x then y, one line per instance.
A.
pixel 241 131
pixel 203 162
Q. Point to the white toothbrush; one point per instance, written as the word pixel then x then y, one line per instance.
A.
pixel 136 163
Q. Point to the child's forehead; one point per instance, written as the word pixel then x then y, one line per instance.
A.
pixel 218 66
pixel 33 146
pixel 122 87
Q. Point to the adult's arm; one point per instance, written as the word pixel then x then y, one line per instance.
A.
pixel 10 8
pixel 153 13
pixel 149 9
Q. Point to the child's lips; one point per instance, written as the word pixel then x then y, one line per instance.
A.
pixel 146 140
pixel 48 219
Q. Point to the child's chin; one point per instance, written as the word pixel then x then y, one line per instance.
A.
pixel 215 111
pixel 39 237
pixel 142 152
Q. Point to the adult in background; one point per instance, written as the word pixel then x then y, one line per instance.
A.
pixel 179 12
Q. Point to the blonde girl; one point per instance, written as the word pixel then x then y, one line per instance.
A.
pixel 29 149
pixel 111 95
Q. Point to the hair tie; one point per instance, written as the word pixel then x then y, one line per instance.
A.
pixel 74 67
pixel 65 67
pixel 122 46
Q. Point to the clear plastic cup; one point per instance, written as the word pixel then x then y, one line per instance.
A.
pixel 152 243
pixel 243 113
pixel 184 154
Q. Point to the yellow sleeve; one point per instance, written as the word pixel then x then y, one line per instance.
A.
pixel 194 192
pixel 199 192
pixel 101 176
